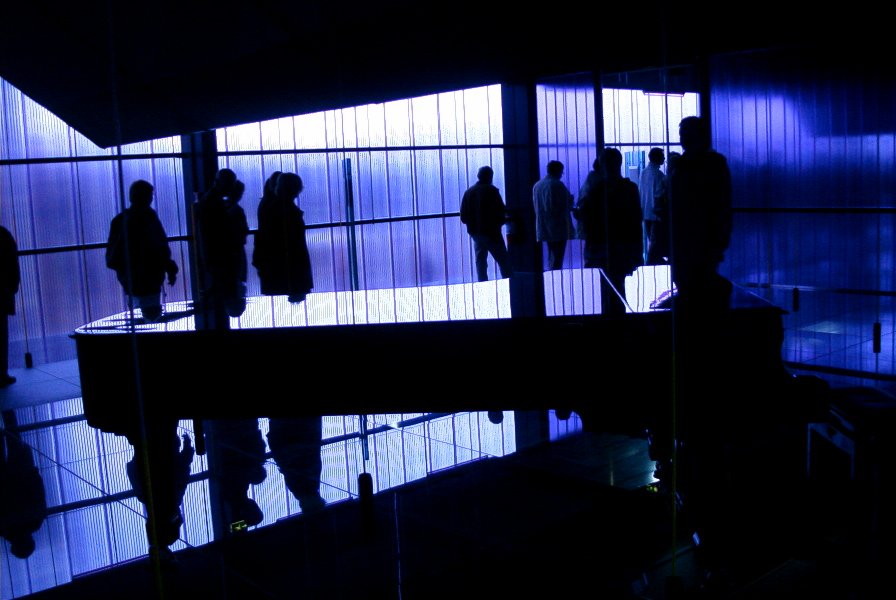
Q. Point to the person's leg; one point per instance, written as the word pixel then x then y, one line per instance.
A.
pixel 480 250
pixel 150 306
pixel 555 254
pixel 502 257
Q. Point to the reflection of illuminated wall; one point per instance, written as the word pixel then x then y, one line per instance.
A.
pixel 92 506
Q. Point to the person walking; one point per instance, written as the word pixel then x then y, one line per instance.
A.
pixel 483 211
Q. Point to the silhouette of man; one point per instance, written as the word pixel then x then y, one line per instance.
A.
pixel 236 460
pixel 553 213
pixel 159 473
pixel 594 175
pixel 23 501
pixel 281 252
pixel 700 217
pixel 138 252
pixel 652 186
pixel 611 218
pixel 238 232
pixel 10 278
pixel 219 248
pixel 296 446
pixel 483 211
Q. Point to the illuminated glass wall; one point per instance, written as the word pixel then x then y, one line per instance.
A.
pixel 568 130
pixel 58 193
pixel 383 184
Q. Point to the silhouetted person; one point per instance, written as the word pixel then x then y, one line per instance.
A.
pixel 281 252
pixel 295 445
pixel 220 246
pixel 652 186
pixel 238 233
pixel 236 461
pixel 23 501
pixel 699 218
pixel 160 465
pixel 483 211
pixel 138 252
pixel 592 178
pixel 611 218
pixel 10 278
pixel 553 217
pixel 658 241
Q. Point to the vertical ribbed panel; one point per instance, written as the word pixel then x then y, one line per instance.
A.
pixel 398 172
pixel 811 148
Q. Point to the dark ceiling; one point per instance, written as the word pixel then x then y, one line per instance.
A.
pixel 122 72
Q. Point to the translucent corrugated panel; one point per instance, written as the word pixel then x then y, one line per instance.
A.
pixel 811 151
pixel 56 208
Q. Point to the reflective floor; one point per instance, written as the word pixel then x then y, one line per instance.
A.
pixel 454 488
pixel 405 506
pixel 474 505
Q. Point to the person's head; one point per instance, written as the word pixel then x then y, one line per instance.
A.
pixel 611 159
pixel 595 166
pixel 656 156
pixel 485 174
pixel 141 193
pixel 224 179
pixel 270 185
pixel 673 159
pixel 289 185
pixel 555 168
pixel 693 134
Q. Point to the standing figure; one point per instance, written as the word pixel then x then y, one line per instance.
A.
pixel 700 217
pixel 611 217
pixel 10 278
pixel 483 211
pixel 553 213
pixel 138 252
pixel 295 444
pixel 237 233
pixel 219 248
pixel 594 175
pixel 652 185
pixel 281 252
pixel 23 498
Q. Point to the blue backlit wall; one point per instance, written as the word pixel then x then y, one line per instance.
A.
pixel 58 193
pixel 811 142
pixel 383 184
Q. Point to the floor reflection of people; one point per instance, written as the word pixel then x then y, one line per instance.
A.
pixel 161 465
pixel 23 502
pixel 295 444
pixel 236 460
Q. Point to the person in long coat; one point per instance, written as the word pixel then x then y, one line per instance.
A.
pixel 281 253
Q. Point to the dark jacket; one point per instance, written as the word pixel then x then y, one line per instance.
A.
pixel 281 254
pixel 610 214
pixel 10 276
pixel 482 210
pixel 138 233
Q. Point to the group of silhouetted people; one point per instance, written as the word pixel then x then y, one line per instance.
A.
pixel 138 251
pixel 681 218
